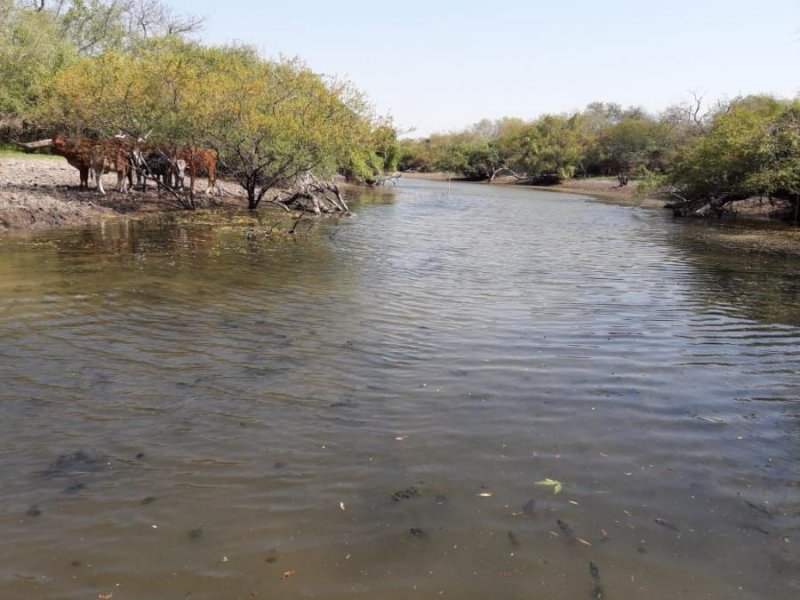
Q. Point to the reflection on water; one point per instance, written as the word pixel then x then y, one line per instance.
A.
pixel 216 411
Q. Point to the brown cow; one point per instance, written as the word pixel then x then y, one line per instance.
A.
pixel 97 157
pixel 111 156
pixel 201 160
pixel 78 155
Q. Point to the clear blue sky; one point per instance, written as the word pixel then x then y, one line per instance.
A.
pixel 442 65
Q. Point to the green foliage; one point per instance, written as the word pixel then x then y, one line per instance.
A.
pixel 31 52
pixel 415 156
pixel 733 157
pixel 37 44
pixel 634 144
pixel 547 147
pixel 93 26
pixel 750 146
pixel 779 161
pixel 376 156
pixel 270 121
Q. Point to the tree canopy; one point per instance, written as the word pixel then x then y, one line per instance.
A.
pixel 39 38
pixel 270 121
pixel 748 146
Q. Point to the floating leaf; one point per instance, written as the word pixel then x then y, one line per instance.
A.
pixel 556 485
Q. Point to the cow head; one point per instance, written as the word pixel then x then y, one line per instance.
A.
pixel 60 142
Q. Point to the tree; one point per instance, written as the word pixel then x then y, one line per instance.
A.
pixel 376 158
pixel 546 149
pixel 95 26
pixel 273 122
pixel 31 52
pixel 779 169
pixel 635 143
pixel 39 38
pixel 723 162
pixel 270 122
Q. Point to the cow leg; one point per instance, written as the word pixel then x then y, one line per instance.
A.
pixel 98 175
pixel 84 175
pixel 179 171
pixel 212 181
pixel 122 181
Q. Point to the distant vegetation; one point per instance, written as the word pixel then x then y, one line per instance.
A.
pixel 749 146
pixel 100 68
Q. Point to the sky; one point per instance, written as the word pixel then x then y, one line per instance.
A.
pixel 442 65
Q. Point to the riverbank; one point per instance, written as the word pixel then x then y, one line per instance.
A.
pixel 602 188
pixel 753 229
pixel 41 192
pixel 607 189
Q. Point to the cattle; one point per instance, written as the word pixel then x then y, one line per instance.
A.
pixel 201 160
pixel 79 155
pixel 96 157
pixel 159 165
pixel 124 156
pixel 108 157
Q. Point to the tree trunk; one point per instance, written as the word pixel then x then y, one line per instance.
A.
pixel 252 198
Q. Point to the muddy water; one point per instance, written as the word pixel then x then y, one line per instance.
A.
pixel 187 411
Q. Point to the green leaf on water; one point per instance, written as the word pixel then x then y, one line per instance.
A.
pixel 556 485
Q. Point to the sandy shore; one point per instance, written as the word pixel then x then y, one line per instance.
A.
pixel 41 192
pixel 606 189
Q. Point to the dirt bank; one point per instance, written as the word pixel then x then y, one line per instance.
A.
pixel 41 192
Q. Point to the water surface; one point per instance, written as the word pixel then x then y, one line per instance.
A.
pixel 188 411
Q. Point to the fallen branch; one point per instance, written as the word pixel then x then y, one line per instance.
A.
pixel 716 205
pixel 384 178
pixel 33 146
pixel 516 176
pixel 314 196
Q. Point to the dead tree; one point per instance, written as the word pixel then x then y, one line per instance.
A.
pixel 715 205
pixel 314 196
pixel 384 179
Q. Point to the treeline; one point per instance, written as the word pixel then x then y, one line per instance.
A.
pixel 749 146
pixel 104 68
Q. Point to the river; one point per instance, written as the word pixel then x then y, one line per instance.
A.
pixel 464 391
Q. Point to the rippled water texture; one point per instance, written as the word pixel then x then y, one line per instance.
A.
pixel 365 412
